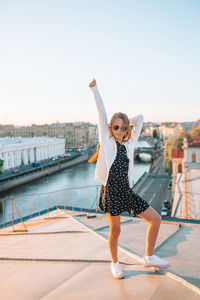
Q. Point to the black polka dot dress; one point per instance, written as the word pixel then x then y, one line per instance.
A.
pixel 117 196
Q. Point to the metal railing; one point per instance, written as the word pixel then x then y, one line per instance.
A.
pixel 19 209
pixel 83 199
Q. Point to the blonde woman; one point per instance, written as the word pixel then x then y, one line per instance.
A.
pixel 114 170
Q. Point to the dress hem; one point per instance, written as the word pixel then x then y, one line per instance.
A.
pixel 128 211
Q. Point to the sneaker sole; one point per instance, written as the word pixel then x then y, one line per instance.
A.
pixel 158 266
pixel 120 277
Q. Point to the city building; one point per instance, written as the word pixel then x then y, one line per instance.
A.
pixel 190 125
pixel 78 133
pixel 18 151
pixel 163 130
pixel 167 131
pixel 186 179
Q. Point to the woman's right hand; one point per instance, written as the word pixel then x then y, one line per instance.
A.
pixel 92 83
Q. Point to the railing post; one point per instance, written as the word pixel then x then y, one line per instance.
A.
pixel 89 198
pixel 185 196
pixel 39 204
pixel 11 198
pixel 30 206
pixel 65 200
pixel 3 214
pixel 20 204
pixel 48 203
pixel 73 200
pixel 57 203
pixel 81 199
pixel 13 203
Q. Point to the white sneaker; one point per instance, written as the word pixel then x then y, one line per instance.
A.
pixel 155 261
pixel 116 270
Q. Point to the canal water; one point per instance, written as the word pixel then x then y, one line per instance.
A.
pixel 72 187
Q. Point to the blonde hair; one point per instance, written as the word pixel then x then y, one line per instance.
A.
pixel 126 137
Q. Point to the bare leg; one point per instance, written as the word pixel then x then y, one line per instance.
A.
pixel 114 222
pixel 154 220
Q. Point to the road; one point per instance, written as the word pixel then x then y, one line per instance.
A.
pixel 24 168
pixel 154 190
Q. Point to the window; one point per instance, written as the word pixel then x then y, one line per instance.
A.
pixel 179 168
pixel 193 157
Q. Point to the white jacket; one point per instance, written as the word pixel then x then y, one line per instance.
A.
pixel 108 146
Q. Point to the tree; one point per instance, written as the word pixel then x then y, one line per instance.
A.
pixel 1 165
pixel 195 131
pixel 155 135
pixel 178 141
pixel 167 154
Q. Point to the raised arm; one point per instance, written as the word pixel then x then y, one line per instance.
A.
pixel 102 116
pixel 138 120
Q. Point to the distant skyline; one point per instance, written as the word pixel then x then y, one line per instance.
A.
pixel 144 55
pixel 49 124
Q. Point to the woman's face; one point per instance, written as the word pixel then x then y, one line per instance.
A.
pixel 119 129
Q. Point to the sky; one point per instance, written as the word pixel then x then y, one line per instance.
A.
pixel 143 54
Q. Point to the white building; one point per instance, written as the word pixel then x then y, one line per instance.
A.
pixel 16 151
pixel 191 153
pixel 186 179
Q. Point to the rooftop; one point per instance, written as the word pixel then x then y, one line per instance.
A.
pixel 194 142
pixel 64 255
pixel 177 153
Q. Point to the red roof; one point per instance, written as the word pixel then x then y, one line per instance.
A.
pixel 177 154
pixel 194 142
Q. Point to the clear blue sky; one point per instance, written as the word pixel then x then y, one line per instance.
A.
pixel 145 56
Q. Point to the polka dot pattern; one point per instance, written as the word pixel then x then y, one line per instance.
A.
pixel 117 196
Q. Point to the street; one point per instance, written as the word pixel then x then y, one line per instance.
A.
pixel 154 189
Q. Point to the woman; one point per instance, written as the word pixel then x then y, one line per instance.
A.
pixel 114 170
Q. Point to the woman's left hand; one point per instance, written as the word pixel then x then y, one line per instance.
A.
pixel 92 83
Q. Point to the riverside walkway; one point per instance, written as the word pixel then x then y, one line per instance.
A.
pixel 64 255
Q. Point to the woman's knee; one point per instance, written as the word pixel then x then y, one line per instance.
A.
pixel 115 231
pixel 156 219
pixel 151 216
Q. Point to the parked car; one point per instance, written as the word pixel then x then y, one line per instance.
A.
pixel 55 158
pixel 167 204
pixel 15 171
pixel 35 164
pixel 164 212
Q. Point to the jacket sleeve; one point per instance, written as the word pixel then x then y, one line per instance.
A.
pixel 135 133
pixel 102 116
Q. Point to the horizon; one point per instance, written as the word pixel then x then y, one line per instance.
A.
pixel 82 122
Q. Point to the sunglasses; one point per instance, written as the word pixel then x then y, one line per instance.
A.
pixel 116 127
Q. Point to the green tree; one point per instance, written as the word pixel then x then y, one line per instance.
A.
pixel 195 131
pixel 167 154
pixel 155 135
pixel 178 141
pixel 1 165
